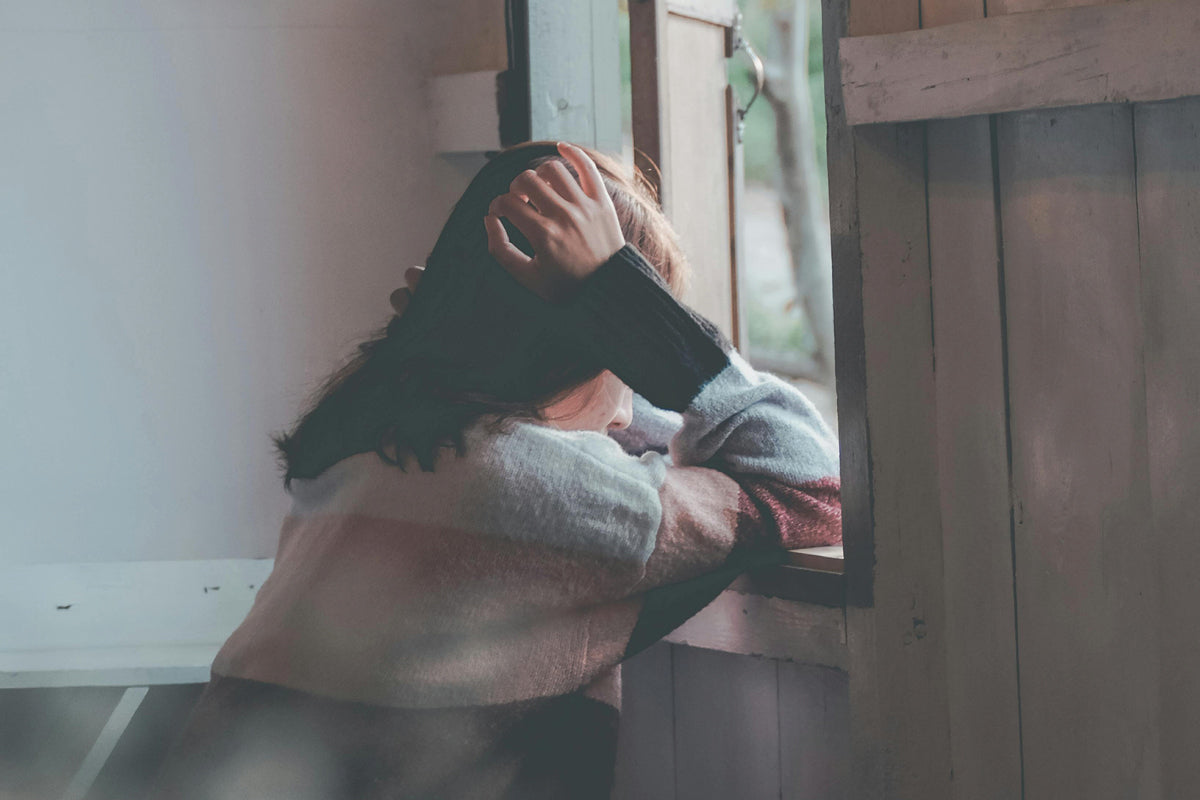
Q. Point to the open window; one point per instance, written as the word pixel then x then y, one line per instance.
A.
pixel 759 249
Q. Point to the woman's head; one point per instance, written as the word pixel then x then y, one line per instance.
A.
pixel 472 343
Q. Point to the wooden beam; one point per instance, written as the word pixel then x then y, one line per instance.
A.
pixel 1123 52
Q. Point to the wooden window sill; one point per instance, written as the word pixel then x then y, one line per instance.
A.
pixel 814 575
pixel 794 612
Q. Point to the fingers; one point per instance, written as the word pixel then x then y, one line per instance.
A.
pixel 556 174
pixel 589 173
pixel 501 248
pixel 528 221
pixel 543 196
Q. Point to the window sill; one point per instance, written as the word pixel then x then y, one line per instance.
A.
pixel 814 575
pixel 793 612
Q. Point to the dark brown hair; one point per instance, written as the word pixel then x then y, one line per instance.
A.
pixel 471 342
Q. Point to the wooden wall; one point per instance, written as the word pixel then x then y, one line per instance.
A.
pixel 706 725
pixel 1019 376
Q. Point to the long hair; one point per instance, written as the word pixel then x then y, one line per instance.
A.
pixel 471 342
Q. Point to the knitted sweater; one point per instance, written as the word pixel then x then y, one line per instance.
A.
pixel 458 634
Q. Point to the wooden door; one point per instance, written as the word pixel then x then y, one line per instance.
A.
pixel 685 140
pixel 1014 233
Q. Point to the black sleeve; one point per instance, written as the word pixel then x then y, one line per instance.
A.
pixel 625 316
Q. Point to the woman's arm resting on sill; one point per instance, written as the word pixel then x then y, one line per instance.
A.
pixel 751 469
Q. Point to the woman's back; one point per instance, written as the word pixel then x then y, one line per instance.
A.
pixel 458 633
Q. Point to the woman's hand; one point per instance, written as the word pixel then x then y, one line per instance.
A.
pixel 571 224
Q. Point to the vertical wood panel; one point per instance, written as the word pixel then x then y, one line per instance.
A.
pixel 972 416
pixel 814 732
pixel 726 726
pixel 646 740
pixel 574 72
pixel 1088 668
pixel 698 185
pixel 648 88
pixel 681 139
pixel 1168 167
pixel 901 647
pixel 849 361
pixel 981 658
pixel 1086 570
pixel 900 741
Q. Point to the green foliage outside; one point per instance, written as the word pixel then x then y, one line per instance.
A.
pixel 775 331
pixel 759 141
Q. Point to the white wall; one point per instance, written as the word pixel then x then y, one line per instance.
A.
pixel 203 207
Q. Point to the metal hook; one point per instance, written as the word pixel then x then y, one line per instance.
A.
pixel 760 73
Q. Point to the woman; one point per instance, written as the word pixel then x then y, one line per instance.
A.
pixel 453 627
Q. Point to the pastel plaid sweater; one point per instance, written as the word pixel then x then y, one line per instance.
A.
pixel 458 634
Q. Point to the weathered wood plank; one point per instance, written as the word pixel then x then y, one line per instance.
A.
pixel 646 739
pixel 1085 557
pixel 679 75
pixel 1168 186
pixel 574 73
pixel 726 726
pixel 814 733
pixel 896 648
pixel 1119 52
pixel 905 642
pixel 698 193
pixel 750 624
pixel 849 361
pixel 981 658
